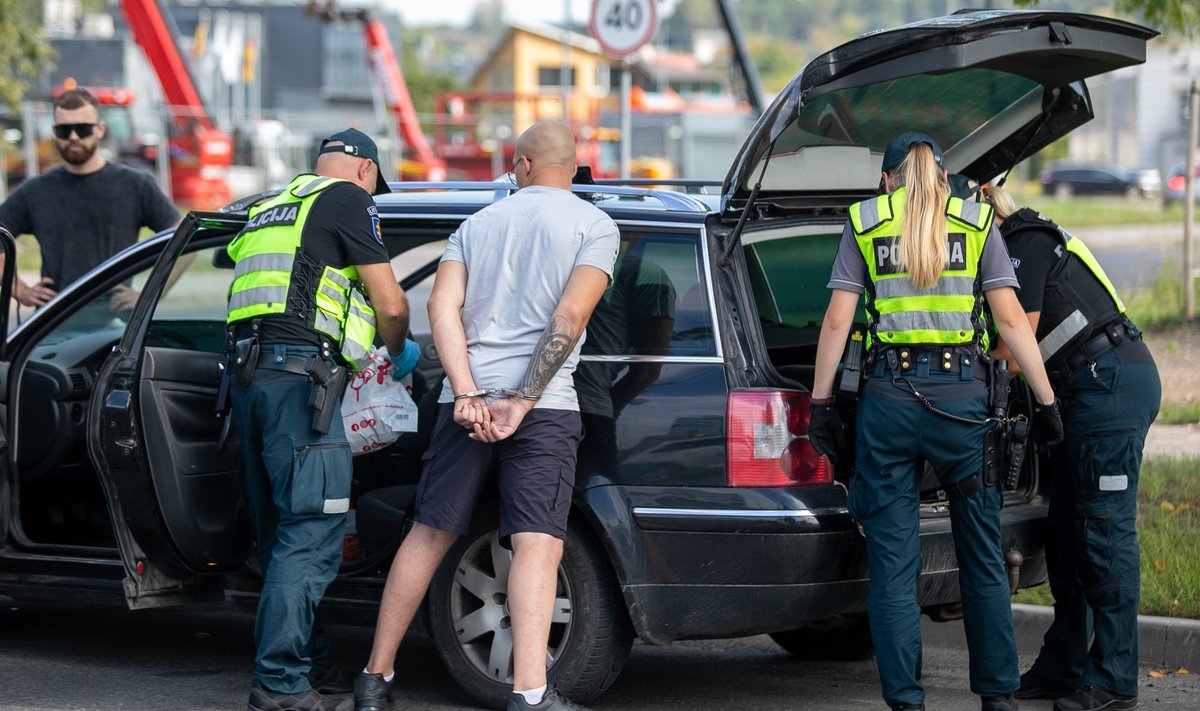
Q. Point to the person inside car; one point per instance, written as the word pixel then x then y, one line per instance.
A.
pixel 926 261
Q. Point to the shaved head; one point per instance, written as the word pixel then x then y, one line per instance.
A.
pixel 546 152
pixel 549 142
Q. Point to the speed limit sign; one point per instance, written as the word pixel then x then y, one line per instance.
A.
pixel 622 26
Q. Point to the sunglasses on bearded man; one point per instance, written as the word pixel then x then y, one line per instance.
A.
pixel 63 131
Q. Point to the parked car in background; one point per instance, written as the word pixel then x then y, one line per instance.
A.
pixel 1063 180
pixel 700 509
pixel 1176 185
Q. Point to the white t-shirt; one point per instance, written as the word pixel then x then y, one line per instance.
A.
pixel 519 253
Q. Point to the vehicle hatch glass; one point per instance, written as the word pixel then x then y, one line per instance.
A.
pixel 953 107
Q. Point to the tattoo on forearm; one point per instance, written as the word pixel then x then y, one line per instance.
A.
pixel 556 344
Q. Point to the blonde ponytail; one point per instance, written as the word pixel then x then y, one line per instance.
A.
pixel 923 247
pixel 1000 200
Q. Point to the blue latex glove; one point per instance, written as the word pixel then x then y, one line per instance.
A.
pixel 405 362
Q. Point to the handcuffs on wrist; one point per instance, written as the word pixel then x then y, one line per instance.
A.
pixel 491 392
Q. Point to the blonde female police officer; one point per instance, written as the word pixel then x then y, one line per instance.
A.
pixel 925 262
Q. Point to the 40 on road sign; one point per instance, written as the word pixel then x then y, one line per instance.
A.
pixel 622 26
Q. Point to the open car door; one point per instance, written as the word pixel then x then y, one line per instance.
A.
pixel 172 490
pixel 9 247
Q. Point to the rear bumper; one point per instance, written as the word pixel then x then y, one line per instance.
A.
pixel 693 571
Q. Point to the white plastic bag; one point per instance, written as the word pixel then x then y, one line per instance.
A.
pixel 376 408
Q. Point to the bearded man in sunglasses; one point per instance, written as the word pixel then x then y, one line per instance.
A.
pixel 84 211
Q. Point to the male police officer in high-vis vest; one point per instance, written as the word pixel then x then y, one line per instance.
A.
pixel 1109 386
pixel 312 283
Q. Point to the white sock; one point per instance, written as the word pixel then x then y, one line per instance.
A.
pixel 533 697
pixel 387 678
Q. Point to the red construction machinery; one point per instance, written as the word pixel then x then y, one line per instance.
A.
pixel 474 131
pixel 200 153
pixel 419 162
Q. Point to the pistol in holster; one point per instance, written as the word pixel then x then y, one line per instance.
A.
pixel 245 359
pixel 328 387
pixel 996 441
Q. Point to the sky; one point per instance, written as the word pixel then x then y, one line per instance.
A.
pixel 424 12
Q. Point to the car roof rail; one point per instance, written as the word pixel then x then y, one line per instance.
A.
pixel 689 186
pixel 670 199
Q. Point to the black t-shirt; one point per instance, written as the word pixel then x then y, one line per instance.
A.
pixel 81 220
pixel 1034 252
pixel 342 230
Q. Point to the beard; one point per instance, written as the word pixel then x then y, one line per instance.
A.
pixel 78 153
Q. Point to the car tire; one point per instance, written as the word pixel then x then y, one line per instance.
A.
pixel 1063 191
pixel 589 644
pixel 843 638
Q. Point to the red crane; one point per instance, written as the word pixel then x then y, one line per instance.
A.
pixel 425 164
pixel 200 152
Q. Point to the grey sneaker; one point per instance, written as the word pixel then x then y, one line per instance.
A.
pixel 371 692
pixel 999 703
pixel 552 701
pixel 1090 698
pixel 263 699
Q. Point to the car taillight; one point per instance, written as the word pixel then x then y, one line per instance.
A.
pixel 766 440
pixel 1177 183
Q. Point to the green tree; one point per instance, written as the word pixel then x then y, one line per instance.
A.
pixel 1171 16
pixel 424 82
pixel 24 50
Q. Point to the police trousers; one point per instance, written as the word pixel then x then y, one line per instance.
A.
pixel 1092 556
pixel 896 435
pixel 297 489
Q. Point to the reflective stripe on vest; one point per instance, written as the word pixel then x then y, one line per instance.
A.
pixel 947 313
pixel 264 254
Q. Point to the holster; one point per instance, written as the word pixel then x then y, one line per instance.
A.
pixel 245 360
pixel 1018 437
pixel 995 446
pixel 328 387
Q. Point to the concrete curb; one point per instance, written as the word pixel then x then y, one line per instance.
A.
pixel 1163 642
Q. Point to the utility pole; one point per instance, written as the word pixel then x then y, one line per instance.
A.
pixel 1189 202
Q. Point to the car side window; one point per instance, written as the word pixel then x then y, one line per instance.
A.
pixel 658 302
pixel 190 314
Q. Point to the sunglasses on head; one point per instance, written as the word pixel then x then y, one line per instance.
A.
pixel 64 130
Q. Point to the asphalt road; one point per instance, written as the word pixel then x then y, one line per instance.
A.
pixel 76 658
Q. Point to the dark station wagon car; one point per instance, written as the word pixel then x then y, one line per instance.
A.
pixel 701 510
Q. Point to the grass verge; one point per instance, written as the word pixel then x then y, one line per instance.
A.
pixel 1179 413
pixel 1168 528
pixel 1096 211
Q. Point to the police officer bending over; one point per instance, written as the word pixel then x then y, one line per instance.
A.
pixel 1109 386
pixel 926 261
pixel 299 317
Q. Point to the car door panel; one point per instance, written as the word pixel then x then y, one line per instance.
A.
pixel 152 433
pixel 196 479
